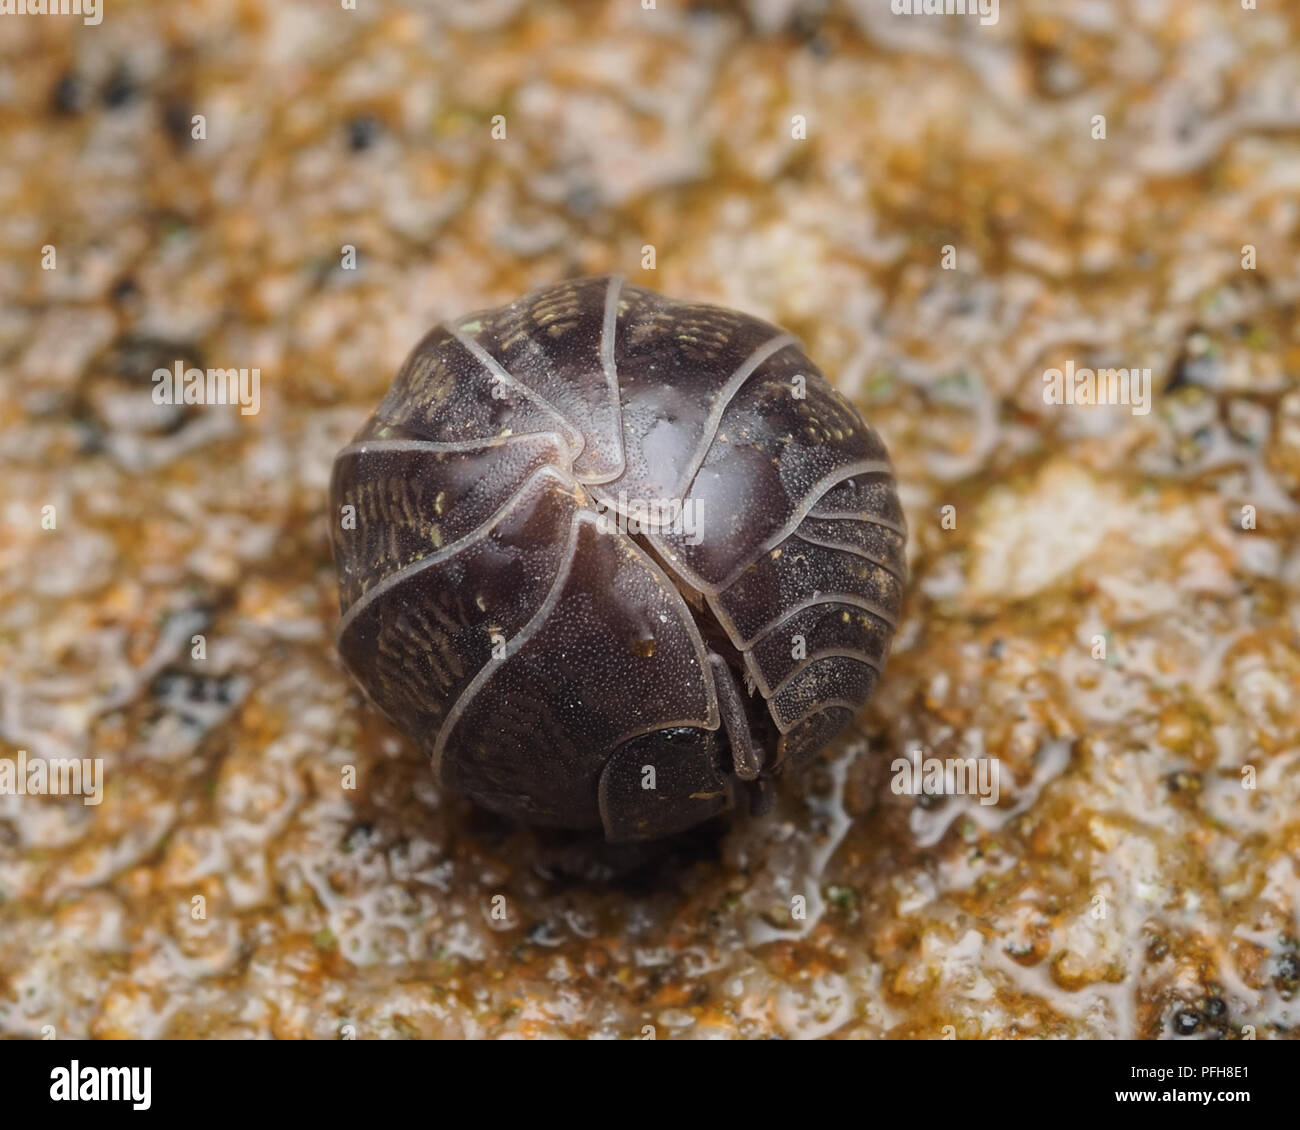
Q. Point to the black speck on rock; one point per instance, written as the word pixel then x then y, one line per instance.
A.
pixel 1183 782
pixel 363 132
pixel 1287 977
pixel 806 27
pixel 1186 1022
pixel 124 291
pixel 583 199
pixel 704 10
pixel 135 357
pixel 358 836
pixel 542 934
pixel 69 94
pixel 120 89
pixel 177 120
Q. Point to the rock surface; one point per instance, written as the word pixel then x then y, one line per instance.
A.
pixel 1110 608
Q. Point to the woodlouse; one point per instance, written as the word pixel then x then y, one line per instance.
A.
pixel 613 559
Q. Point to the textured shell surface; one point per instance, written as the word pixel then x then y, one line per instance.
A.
pixel 613 559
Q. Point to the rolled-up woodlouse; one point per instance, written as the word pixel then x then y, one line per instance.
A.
pixel 614 560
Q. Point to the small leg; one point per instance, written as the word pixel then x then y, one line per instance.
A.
pixel 746 756
pixel 761 796
pixel 589 859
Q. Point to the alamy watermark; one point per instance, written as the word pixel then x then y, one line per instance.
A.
pixel 915 775
pixel 53 776
pixel 1130 387
pixel 179 385
pixel 655 515
pixel 987 10
pixel 90 11
pixel 102 1084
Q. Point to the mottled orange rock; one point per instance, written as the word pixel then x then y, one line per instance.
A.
pixel 1109 609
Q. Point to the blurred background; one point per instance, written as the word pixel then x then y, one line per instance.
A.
pixel 943 208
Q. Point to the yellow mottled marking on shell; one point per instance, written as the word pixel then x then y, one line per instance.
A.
pixel 481 602
pixel 471 327
pixel 435 535
pixel 439 502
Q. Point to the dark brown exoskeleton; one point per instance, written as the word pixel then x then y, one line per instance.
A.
pixel 615 560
